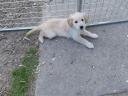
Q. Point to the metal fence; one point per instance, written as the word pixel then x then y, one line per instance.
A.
pixel 20 14
pixel 24 14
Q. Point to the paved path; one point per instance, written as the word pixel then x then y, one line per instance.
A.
pixel 70 69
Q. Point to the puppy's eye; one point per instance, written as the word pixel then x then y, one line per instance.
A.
pixel 82 19
pixel 76 21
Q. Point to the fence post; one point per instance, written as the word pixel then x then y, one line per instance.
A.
pixel 79 5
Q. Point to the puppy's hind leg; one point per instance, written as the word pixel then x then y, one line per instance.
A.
pixel 41 39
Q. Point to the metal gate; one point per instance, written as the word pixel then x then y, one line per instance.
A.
pixel 24 14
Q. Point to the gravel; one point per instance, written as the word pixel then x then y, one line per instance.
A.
pixel 12 48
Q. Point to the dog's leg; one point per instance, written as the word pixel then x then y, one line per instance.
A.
pixel 41 39
pixel 84 42
pixel 89 34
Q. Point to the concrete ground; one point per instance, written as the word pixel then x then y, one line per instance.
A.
pixel 70 69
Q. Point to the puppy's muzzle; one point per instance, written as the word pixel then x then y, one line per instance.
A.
pixel 81 27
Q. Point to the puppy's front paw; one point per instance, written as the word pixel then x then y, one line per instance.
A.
pixel 90 45
pixel 94 36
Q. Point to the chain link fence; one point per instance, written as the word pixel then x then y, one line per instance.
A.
pixel 20 14
pixel 24 14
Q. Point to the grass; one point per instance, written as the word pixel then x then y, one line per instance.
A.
pixel 23 75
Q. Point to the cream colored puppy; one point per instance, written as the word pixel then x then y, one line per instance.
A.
pixel 71 27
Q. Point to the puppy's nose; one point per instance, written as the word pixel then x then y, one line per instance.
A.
pixel 81 27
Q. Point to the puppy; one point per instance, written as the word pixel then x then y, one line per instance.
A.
pixel 72 27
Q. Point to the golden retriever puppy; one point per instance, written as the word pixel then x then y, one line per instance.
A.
pixel 71 27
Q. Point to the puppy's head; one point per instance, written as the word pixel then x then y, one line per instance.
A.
pixel 77 21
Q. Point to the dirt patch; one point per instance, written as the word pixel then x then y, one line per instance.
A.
pixel 12 48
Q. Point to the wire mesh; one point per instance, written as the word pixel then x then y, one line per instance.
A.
pixel 105 11
pixel 16 14
pixel 59 8
pixel 22 14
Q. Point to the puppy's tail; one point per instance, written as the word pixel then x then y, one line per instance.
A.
pixel 35 29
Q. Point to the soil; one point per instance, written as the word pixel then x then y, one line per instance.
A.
pixel 12 49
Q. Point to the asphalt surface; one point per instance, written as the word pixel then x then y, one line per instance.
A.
pixel 68 68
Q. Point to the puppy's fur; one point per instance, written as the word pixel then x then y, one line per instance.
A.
pixel 71 27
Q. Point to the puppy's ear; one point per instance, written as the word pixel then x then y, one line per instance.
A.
pixel 86 19
pixel 70 21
